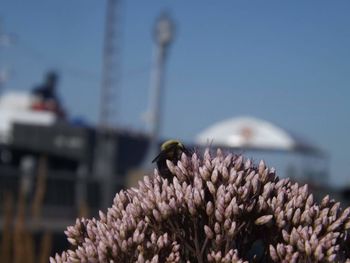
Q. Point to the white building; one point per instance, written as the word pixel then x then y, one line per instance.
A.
pixel 260 139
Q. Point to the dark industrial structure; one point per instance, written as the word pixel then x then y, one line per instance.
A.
pixel 63 155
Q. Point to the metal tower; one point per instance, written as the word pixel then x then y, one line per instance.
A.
pixel 105 165
pixel 110 67
pixel 163 36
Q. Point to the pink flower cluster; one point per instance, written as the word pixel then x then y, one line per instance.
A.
pixel 218 208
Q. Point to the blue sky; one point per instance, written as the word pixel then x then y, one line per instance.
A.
pixel 284 61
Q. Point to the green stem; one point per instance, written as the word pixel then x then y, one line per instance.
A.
pixel 196 244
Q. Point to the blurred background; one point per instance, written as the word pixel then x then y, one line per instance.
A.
pixel 89 89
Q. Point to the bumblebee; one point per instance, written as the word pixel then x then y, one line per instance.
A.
pixel 170 150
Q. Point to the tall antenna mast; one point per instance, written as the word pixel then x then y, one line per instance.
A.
pixel 110 70
pixel 106 150
pixel 163 35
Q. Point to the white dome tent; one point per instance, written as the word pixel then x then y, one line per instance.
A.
pixel 253 134
pixel 262 139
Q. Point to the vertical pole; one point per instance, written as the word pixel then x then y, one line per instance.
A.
pixel 163 36
pixel 106 142
pixel 110 69
pixel 81 191
pixel 157 99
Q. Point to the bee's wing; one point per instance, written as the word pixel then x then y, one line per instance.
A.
pixel 164 154
pixel 157 158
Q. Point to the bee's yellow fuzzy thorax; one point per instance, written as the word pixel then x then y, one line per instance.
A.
pixel 168 143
